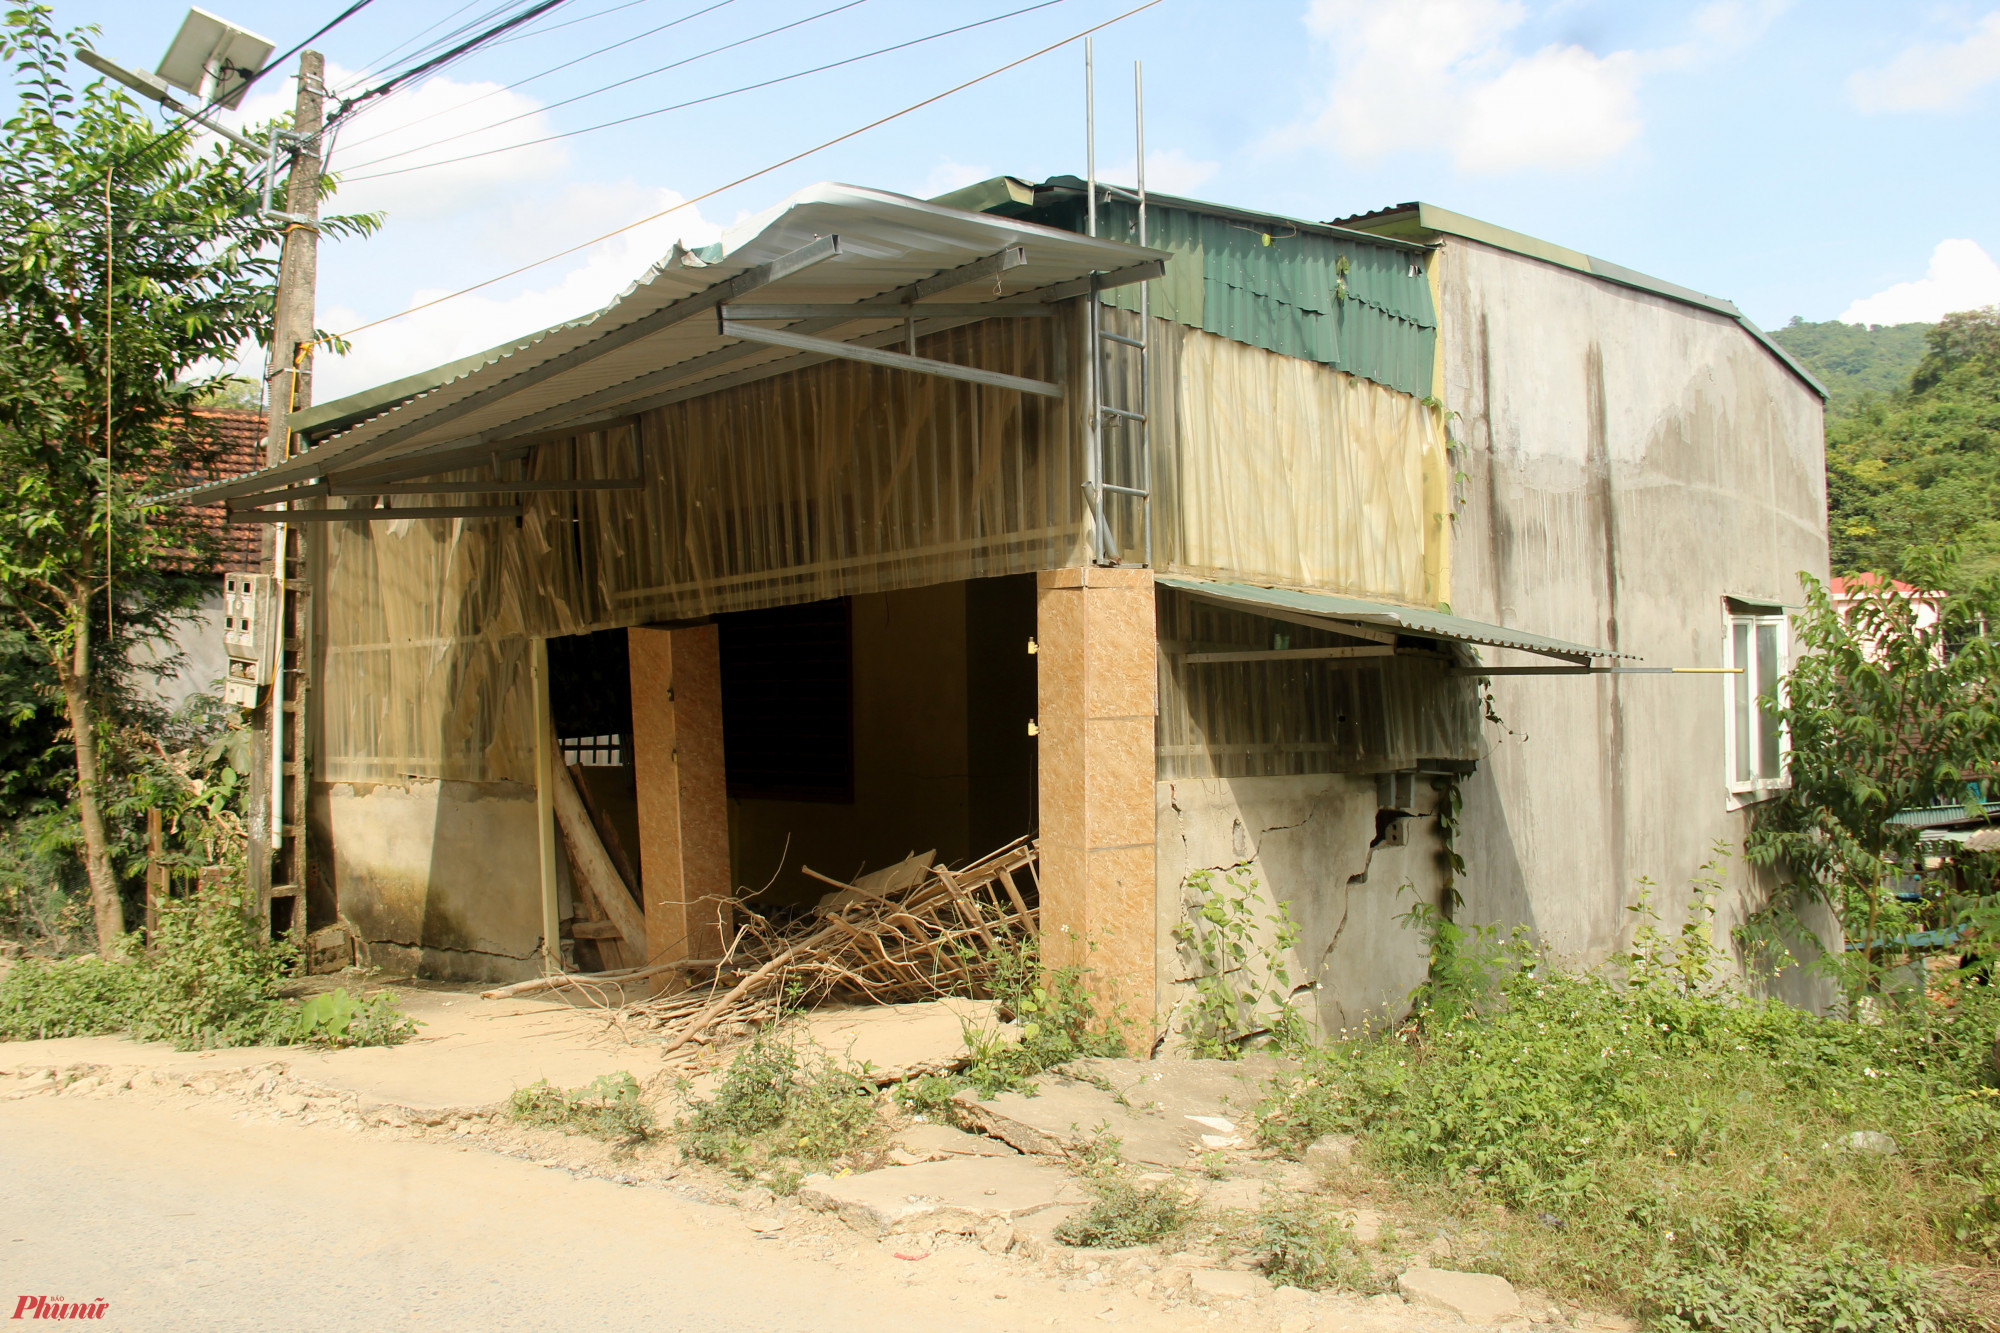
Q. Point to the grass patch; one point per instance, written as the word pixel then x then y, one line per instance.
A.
pixel 1307 1244
pixel 1129 1212
pixel 1059 1023
pixel 1655 1140
pixel 607 1108
pixel 778 1109
pixel 207 979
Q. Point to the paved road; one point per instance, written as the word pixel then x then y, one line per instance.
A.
pixel 185 1219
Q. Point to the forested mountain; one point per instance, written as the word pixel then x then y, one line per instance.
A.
pixel 1920 463
pixel 1854 360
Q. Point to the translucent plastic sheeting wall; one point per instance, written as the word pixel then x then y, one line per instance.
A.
pixel 837 479
pixel 1270 469
pixel 1285 718
pixel 426 669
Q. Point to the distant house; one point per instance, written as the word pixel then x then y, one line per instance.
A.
pixel 888 525
pixel 192 663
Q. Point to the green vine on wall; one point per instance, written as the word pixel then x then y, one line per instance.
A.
pixel 1243 986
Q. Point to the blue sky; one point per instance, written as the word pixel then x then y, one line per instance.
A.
pixel 1825 160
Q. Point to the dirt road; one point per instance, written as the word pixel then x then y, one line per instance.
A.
pixel 186 1219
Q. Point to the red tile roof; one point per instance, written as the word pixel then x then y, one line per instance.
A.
pixel 241 437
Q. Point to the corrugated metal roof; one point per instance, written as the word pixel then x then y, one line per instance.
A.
pixel 886 241
pixel 1417 220
pixel 1433 624
pixel 1320 293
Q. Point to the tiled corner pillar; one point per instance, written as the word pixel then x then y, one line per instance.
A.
pixel 683 807
pixel 1096 700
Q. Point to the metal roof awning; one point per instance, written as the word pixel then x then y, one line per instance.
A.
pixel 1370 620
pixel 836 272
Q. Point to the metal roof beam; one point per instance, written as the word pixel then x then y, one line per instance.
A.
pixel 886 310
pixel 371 515
pixel 874 356
pixel 814 252
pixel 578 410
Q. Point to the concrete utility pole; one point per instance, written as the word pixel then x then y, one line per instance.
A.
pixel 279 776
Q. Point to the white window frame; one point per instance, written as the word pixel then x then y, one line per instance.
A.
pixel 1744 748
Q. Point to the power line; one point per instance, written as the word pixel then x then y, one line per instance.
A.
pixel 677 106
pixel 761 171
pixel 570 23
pixel 685 60
pixel 465 47
pixel 472 101
pixel 324 29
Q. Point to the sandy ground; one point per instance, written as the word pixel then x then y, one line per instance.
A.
pixel 385 1189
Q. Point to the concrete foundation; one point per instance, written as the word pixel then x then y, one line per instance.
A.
pixel 440 879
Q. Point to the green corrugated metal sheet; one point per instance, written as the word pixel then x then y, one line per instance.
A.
pixel 1339 300
pixel 1435 624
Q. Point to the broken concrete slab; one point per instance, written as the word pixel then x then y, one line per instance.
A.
pixel 1478 1298
pixel 1229 1284
pixel 1238 1194
pixel 1065 1116
pixel 894 1042
pixel 1330 1152
pixel 1161 1111
pixel 956 1196
pixel 939 1143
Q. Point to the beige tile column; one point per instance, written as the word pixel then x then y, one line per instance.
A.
pixel 683 806
pixel 1097 697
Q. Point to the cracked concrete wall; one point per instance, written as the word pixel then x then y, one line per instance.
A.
pixel 1307 841
pixel 1632 462
pixel 440 878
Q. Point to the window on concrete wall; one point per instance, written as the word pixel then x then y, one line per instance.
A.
pixel 1755 645
pixel 788 702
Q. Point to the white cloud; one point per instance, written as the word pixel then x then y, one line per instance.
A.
pixel 1170 171
pixel 1932 76
pixel 471 323
pixel 1447 75
pixel 1962 276
pixel 948 175
pixel 381 135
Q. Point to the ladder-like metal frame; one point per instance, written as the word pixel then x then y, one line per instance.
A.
pixel 1130 418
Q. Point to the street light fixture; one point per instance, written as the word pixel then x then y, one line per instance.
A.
pixel 214 60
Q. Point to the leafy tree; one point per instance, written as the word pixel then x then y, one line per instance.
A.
pixel 1888 710
pixel 1856 362
pixel 134 264
pixel 1923 465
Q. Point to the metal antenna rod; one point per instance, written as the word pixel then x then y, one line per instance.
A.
pixel 1090 139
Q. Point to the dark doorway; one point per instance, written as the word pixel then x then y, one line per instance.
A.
pixel 1000 702
pixel 590 709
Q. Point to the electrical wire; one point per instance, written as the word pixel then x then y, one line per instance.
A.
pixel 570 23
pixel 761 171
pixel 522 83
pixel 324 29
pixel 439 61
pixel 681 106
pixel 419 52
pixel 594 92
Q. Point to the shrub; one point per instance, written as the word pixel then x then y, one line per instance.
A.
pixel 1657 1138
pixel 76 997
pixel 339 1019
pixel 607 1108
pixel 1307 1245
pixel 779 1105
pixel 1129 1212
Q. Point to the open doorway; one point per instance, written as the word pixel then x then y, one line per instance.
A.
pixel 590 708
pixel 860 730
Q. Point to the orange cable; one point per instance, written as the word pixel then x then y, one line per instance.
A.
pixel 763 171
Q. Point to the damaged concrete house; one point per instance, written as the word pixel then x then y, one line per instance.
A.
pixel 886 526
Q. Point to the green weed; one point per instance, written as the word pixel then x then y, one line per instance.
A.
pixel 1242 986
pixel 207 979
pixel 1307 1245
pixel 779 1106
pixel 1656 1137
pixel 1129 1212
pixel 607 1108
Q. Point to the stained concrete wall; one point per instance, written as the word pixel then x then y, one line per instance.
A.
pixel 1633 460
pixel 1305 840
pixel 439 878
pixel 197 643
